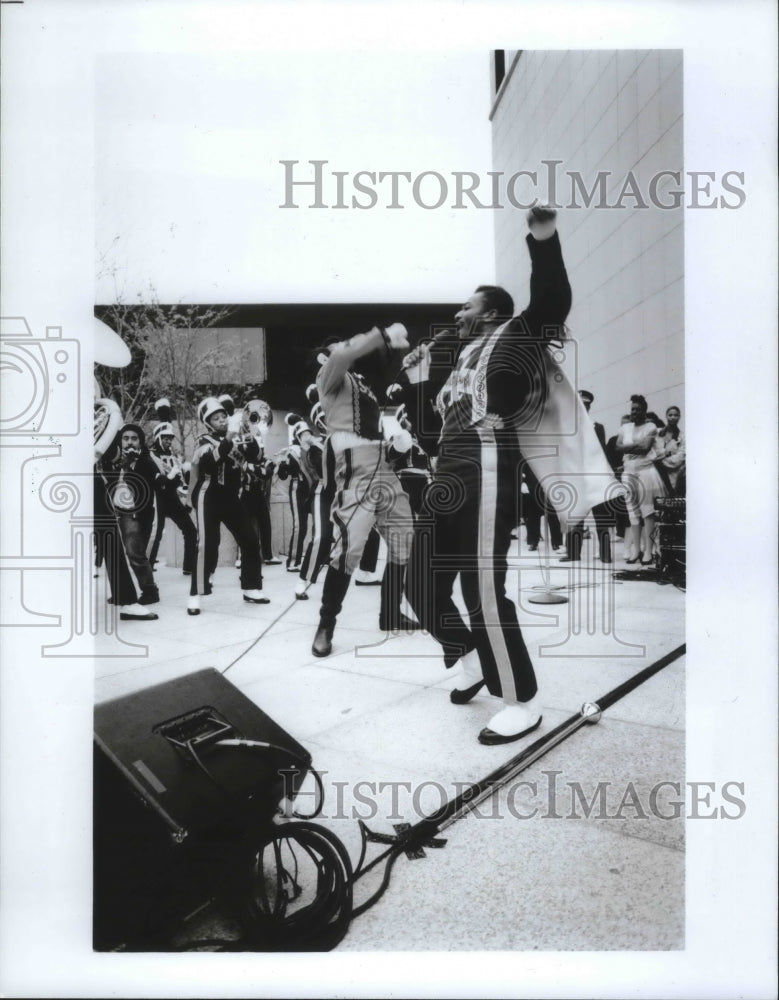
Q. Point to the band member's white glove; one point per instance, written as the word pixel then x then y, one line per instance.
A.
pixel 395 392
pixel 397 335
pixel 401 442
pixel 542 221
pixel 234 423
pixel 173 474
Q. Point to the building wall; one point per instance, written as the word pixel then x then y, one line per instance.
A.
pixel 602 111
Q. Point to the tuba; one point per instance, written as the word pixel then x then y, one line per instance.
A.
pixel 108 420
pixel 257 417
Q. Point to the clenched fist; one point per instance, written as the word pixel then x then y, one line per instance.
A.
pixel 397 335
pixel 542 221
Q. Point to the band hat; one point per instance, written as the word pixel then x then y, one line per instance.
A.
pixel 208 407
pixel 318 418
pixel 162 430
pixel 299 430
pixel 228 403
pixel 163 409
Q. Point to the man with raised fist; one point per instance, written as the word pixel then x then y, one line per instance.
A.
pixel 492 381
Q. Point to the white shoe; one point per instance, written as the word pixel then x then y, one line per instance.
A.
pixel 515 720
pixel 469 681
pixel 255 597
pixel 193 605
pixel 365 579
pixel 136 613
pixel 470 671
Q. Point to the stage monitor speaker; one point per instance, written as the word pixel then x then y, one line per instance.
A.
pixel 186 774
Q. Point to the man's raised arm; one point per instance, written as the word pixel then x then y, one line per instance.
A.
pixel 550 290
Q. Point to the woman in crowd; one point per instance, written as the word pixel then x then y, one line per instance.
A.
pixel 637 442
pixel 673 456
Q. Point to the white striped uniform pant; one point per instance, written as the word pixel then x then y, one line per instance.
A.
pixel 214 506
pixel 368 493
pixel 319 537
pixel 464 529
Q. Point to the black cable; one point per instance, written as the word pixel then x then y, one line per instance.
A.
pixel 319 925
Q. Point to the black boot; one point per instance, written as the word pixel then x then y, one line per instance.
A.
pixel 573 544
pixel 333 592
pixel 390 617
pixel 323 640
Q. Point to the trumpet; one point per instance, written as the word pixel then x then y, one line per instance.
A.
pixel 107 421
pixel 170 463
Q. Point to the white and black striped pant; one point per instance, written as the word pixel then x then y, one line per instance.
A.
pixel 214 506
pixel 464 529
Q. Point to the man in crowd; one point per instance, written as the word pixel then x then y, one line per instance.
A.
pixel 602 514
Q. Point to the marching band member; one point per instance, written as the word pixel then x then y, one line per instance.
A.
pixel 316 545
pixel 130 476
pixel 171 492
pixel 257 417
pixel 214 484
pixel 108 537
pixel 367 490
pixel 408 459
pixel 289 467
pixel 112 351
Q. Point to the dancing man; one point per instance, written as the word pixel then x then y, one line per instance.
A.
pixel 490 383
pixel 368 491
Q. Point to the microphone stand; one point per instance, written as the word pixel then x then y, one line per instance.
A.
pixel 412 839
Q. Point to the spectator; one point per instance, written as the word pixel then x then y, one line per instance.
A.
pixel 673 456
pixel 637 441
pixel 603 513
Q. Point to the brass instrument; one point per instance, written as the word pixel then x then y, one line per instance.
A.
pixel 107 421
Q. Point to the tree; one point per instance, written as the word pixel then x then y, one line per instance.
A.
pixel 173 355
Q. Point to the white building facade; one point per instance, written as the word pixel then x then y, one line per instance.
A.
pixel 600 134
